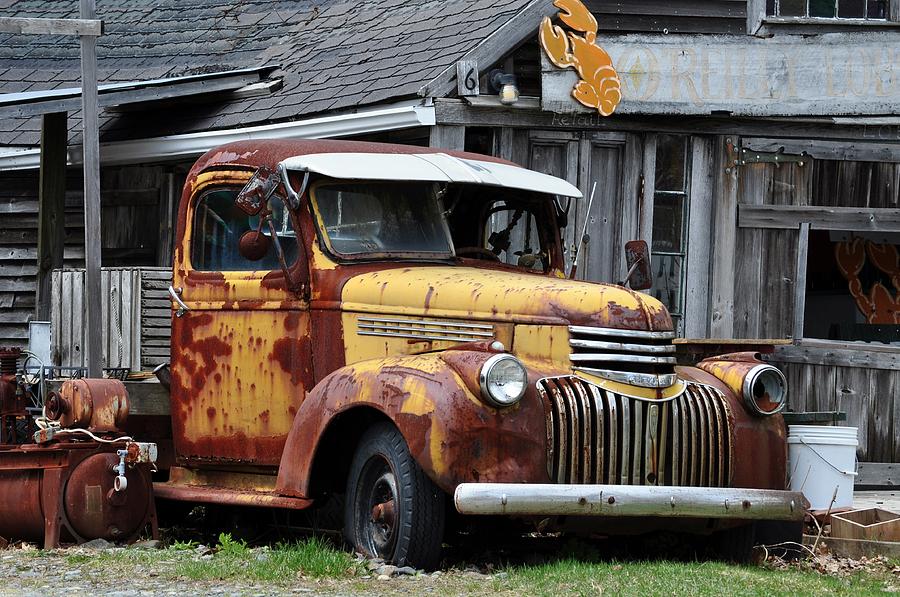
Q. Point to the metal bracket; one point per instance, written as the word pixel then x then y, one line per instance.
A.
pixel 741 156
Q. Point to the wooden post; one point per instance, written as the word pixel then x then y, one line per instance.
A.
pixel 92 242
pixel 51 207
pixel 448 137
pixel 800 281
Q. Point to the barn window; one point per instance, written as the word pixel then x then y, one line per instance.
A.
pixel 829 9
pixel 670 224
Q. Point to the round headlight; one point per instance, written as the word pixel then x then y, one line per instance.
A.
pixel 503 380
pixel 765 390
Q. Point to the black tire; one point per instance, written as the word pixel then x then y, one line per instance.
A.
pixel 383 472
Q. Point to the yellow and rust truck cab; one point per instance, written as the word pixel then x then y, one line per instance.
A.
pixel 394 324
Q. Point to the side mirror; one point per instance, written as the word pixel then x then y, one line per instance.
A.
pixel 255 194
pixel 254 245
pixel 637 257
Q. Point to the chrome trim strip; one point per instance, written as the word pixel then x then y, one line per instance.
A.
pixel 527 499
pixel 643 380
pixel 618 346
pixel 621 358
pixel 580 329
pixel 435 322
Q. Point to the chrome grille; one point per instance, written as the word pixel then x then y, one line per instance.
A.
pixel 599 437
pixel 635 357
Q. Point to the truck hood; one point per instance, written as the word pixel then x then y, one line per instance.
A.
pixel 469 293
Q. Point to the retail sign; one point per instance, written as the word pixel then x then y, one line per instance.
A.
pixel 595 82
pixel 833 74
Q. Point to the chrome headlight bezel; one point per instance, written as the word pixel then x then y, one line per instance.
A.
pixel 764 380
pixel 484 381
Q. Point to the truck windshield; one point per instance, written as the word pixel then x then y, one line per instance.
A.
pixel 370 219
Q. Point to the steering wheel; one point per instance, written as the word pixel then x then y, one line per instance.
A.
pixel 479 252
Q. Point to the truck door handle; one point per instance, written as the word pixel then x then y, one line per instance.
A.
pixel 182 308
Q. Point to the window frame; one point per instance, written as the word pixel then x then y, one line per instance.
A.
pixel 535 205
pixel 192 237
pixel 761 23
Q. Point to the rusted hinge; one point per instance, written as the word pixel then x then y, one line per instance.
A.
pixel 740 156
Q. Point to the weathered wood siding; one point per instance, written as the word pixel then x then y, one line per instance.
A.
pixel 18 251
pixel 121 318
pixel 672 16
pixel 156 316
pixel 869 396
pixel 138 203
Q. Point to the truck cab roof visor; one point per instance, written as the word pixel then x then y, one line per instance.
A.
pixel 430 167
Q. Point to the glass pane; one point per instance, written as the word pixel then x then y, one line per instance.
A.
pixel 852 9
pixel 668 223
pixel 878 9
pixel 382 218
pixel 218 226
pixel 823 8
pixel 770 7
pixel 667 273
pixel 792 8
pixel 670 164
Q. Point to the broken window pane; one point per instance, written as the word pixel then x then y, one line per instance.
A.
pixel 667 280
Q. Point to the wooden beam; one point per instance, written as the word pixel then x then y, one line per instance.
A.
pixel 878 474
pixel 800 282
pixel 724 235
pixel 31 26
pixel 789 217
pixel 756 14
pixel 90 122
pixel 505 39
pixel 861 355
pixel 700 226
pixel 876 150
pixel 454 111
pixel 51 210
pixel 448 137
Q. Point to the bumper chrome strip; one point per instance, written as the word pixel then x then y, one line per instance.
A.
pixel 616 500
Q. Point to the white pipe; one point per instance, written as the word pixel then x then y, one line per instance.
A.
pixel 385 118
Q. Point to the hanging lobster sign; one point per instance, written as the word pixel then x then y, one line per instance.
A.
pixel 878 305
pixel 598 86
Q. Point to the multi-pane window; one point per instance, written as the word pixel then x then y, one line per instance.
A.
pixel 670 224
pixel 829 9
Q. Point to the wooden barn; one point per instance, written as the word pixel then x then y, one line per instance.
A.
pixel 755 146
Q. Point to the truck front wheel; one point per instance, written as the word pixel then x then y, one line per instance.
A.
pixel 393 510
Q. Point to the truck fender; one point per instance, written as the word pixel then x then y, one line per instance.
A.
pixel 451 433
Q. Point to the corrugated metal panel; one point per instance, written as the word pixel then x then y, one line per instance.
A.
pixel 673 16
pixel 121 290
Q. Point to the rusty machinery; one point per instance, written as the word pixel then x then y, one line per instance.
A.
pixel 67 474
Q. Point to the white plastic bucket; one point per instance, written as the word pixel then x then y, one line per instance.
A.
pixel 820 460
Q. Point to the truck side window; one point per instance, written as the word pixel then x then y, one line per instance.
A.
pixel 218 226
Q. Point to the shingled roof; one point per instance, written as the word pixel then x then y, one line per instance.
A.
pixel 334 54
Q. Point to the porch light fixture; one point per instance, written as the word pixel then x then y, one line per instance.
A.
pixel 505 86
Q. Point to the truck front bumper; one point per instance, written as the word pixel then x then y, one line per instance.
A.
pixel 514 499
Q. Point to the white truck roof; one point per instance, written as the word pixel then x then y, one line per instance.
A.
pixel 429 167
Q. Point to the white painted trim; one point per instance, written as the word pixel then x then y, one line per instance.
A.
pixel 382 118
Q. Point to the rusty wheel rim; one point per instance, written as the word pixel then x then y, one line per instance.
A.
pixel 378 509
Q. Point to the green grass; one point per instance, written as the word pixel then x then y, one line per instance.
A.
pixel 575 577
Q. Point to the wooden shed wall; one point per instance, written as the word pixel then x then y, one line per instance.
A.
pixel 138 203
pixel 674 16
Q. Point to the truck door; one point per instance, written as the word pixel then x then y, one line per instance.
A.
pixel 241 362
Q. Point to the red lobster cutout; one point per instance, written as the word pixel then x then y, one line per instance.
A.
pixel 879 306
